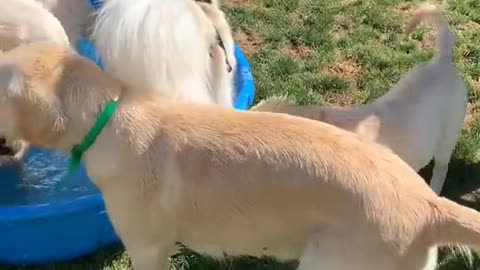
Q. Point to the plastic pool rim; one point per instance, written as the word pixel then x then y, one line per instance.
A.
pixel 88 206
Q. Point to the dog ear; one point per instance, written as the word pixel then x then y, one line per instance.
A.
pixel 11 81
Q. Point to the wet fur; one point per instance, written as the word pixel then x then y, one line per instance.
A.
pixel 22 22
pixel 420 118
pixel 224 181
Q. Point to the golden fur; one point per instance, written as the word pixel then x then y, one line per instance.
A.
pixel 224 181
pixel 26 21
pixel 419 118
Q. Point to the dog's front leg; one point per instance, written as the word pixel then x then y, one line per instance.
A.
pixel 151 257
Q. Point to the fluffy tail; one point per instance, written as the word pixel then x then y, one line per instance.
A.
pixel 26 21
pixel 157 45
pixel 445 37
pixel 456 224
pixel 288 105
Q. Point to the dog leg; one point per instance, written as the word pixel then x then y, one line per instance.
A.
pixel 332 250
pixel 451 130
pixel 20 148
pixel 438 175
pixel 150 258
pixel 221 84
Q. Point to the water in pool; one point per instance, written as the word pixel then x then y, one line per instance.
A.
pixel 42 178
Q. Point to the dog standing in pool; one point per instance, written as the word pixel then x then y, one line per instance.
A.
pixel 226 182
pixel 21 22
pixel 77 16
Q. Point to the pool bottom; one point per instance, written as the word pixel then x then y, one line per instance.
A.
pixel 42 178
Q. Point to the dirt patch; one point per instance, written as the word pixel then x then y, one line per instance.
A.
pixel 238 3
pixel 298 51
pixel 470 115
pixel 346 3
pixel 345 69
pixel 341 27
pixel 405 9
pixel 340 99
pixel 249 43
pixel 428 41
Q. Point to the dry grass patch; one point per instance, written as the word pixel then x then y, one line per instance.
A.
pixel 249 43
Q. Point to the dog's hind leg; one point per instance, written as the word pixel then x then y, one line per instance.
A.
pixel 332 250
pixel 150 258
pixel 451 130
pixel 439 174
pixel 442 159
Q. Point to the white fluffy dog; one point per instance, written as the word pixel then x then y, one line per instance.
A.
pixel 75 16
pixel 420 118
pixel 163 46
pixel 26 21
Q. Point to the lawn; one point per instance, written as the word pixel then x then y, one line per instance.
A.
pixel 339 52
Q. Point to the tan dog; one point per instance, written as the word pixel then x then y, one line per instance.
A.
pixel 162 46
pixel 420 118
pixel 25 21
pixel 223 181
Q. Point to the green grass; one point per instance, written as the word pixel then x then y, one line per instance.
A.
pixel 338 52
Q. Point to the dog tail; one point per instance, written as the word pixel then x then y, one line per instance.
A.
pixel 455 224
pixel 445 37
pixel 26 21
pixel 274 104
pixel 157 45
pixel 288 105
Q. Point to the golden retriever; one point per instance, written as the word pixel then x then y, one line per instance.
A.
pixel 25 21
pixel 420 118
pixel 225 181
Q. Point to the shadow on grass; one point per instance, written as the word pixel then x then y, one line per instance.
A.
pixel 108 258
pixel 190 260
pixel 462 184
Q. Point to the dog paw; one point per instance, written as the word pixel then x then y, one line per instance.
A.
pixel 12 152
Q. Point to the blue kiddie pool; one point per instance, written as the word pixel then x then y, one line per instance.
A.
pixel 47 215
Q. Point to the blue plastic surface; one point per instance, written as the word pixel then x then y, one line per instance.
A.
pixel 71 222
